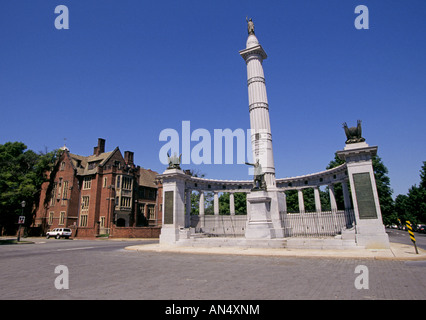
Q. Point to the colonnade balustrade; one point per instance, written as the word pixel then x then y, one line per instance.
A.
pixel 221 223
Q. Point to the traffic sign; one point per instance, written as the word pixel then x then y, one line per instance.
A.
pixel 411 233
pixel 21 220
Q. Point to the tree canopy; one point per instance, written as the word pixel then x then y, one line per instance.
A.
pixel 412 206
pixel 22 172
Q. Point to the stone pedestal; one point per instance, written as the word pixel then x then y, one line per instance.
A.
pixel 370 231
pixel 173 205
pixel 263 220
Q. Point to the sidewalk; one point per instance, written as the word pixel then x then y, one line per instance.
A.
pixel 397 251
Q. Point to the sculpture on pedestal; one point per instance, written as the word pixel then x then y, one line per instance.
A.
pixel 174 161
pixel 259 176
pixel 353 134
pixel 250 26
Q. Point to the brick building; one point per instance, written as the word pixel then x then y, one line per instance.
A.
pixel 99 194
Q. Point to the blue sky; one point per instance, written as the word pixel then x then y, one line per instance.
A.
pixel 125 70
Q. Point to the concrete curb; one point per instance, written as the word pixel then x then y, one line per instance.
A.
pixel 396 252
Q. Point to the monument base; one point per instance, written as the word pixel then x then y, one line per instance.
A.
pixel 262 212
pixel 169 234
pixel 372 236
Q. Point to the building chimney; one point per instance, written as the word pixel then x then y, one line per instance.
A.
pixel 100 148
pixel 128 158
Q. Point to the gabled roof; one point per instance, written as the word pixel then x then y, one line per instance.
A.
pixel 81 163
pixel 147 178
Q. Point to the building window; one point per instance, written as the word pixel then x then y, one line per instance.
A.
pixel 65 193
pixel 87 183
pixel 85 203
pixel 105 182
pixel 126 202
pixel 102 222
pixel 53 194
pixel 118 182
pixel 151 194
pixel 50 218
pixel 127 183
pixel 62 166
pixel 151 212
pixel 83 220
pixel 62 217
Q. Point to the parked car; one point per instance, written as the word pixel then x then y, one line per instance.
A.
pixel 59 233
pixel 422 228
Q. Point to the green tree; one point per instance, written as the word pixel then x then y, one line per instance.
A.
pixel 22 172
pixel 292 201
pixel 384 191
pixel 412 206
pixel 240 203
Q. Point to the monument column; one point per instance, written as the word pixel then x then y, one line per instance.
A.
pixel 261 137
pixel 264 202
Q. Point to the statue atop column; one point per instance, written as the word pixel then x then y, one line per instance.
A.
pixel 250 26
pixel 259 176
pixel 174 161
pixel 353 134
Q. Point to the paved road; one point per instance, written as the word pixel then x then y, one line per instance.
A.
pixel 104 270
pixel 401 236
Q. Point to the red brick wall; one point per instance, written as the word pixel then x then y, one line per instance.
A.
pixel 135 232
pixel 85 232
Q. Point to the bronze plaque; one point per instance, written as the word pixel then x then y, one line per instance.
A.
pixel 364 196
pixel 168 207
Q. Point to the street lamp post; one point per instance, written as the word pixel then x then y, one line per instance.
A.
pixel 20 224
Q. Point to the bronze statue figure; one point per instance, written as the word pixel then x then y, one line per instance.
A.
pixel 259 176
pixel 250 26
pixel 353 134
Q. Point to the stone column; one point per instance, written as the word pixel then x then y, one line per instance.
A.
pixel 318 210
pixel 333 203
pixel 346 195
pixel 201 209
pixel 284 202
pixel 231 204
pixel 301 201
pixel 261 137
pixel 350 220
pixel 216 209
pixel 216 203
pixel 317 200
